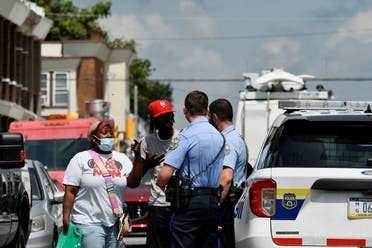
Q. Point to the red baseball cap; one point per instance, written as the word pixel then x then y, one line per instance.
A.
pixel 159 107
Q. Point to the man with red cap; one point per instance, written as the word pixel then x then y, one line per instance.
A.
pixel 153 149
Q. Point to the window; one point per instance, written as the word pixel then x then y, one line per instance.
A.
pixel 54 89
pixel 44 89
pixel 323 144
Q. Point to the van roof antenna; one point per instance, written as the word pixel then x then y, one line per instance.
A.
pixel 368 110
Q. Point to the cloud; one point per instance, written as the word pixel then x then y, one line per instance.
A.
pixel 195 15
pixel 358 28
pixel 183 57
pixel 201 62
pixel 282 52
pixel 142 29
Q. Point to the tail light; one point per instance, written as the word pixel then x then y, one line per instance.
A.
pixel 262 195
pixel 22 155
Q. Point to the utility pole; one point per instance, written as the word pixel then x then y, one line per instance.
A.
pixel 135 111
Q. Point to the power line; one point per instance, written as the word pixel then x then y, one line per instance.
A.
pixel 247 37
pixel 218 18
pixel 215 80
pixel 322 79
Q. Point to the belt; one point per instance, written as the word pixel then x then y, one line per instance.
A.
pixel 203 191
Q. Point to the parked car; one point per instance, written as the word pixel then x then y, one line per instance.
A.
pixel 14 200
pixel 137 200
pixel 46 211
pixel 312 183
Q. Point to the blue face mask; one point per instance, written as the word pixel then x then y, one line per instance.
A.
pixel 106 144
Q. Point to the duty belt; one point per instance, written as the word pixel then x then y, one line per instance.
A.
pixel 203 191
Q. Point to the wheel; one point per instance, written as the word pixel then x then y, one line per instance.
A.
pixel 19 240
pixel 55 238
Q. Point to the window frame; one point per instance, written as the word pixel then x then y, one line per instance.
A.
pixel 46 102
pixel 60 91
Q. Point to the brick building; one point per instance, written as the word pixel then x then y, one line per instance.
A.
pixel 78 71
pixel 22 28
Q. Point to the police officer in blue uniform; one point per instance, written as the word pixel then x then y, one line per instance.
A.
pixel 197 154
pixel 234 171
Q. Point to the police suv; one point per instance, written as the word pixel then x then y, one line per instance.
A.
pixel 311 185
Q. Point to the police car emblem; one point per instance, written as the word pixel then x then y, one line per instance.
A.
pixel 289 201
pixel 174 143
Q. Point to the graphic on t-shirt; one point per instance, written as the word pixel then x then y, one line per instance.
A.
pixel 113 168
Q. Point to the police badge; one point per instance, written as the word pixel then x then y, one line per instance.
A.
pixel 174 143
pixel 289 201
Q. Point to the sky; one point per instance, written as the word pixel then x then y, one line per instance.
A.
pixel 219 39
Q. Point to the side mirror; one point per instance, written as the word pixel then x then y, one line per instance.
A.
pixel 12 153
pixel 58 197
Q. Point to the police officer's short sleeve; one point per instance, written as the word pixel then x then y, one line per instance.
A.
pixel 230 156
pixel 176 152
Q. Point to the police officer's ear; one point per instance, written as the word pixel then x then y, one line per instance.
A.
pixel 213 117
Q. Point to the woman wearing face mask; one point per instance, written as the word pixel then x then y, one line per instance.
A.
pixel 88 203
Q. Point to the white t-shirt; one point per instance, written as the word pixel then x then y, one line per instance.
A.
pixel 92 204
pixel 155 145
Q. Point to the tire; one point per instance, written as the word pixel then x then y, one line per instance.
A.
pixel 55 238
pixel 19 241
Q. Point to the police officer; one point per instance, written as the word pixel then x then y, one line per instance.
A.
pixel 234 168
pixel 197 155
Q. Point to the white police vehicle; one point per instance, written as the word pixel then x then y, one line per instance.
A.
pixel 312 183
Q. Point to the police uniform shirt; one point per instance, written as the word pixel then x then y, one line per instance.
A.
pixel 235 155
pixel 198 144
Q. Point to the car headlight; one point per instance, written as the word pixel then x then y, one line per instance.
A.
pixel 38 223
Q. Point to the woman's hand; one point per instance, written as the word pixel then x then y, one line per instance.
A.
pixel 135 176
pixel 68 203
pixel 136 147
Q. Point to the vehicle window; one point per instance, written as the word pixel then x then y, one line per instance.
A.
pixel 265 155
pixel 35 185
pixel 46 182
pixel 323 144
pixel 55 153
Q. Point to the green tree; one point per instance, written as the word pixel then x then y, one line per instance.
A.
pixel 70 21
pixel 139 72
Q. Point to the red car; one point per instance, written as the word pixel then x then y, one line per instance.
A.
pixel 137 200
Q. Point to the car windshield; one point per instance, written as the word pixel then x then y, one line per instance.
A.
pixel 55 153
pixel 323 144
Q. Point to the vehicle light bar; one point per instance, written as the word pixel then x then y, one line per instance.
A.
pixel 326 105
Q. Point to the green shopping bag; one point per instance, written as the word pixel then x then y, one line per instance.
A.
pixel 72 239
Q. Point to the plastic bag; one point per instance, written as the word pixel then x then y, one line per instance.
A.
pixel 72 239
pixel 125 224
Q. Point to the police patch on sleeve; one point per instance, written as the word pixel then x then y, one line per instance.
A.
pixel 227 149
pixel 174 143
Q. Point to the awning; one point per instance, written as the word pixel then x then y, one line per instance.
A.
pixel 16 111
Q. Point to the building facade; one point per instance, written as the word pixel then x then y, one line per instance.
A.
pixel 75 72
pixel 22 28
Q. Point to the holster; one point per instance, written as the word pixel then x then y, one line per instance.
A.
pixel 178 191
pixel 173 191
pixel 235 194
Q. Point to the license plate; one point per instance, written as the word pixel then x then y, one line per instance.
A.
pixel 360 207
